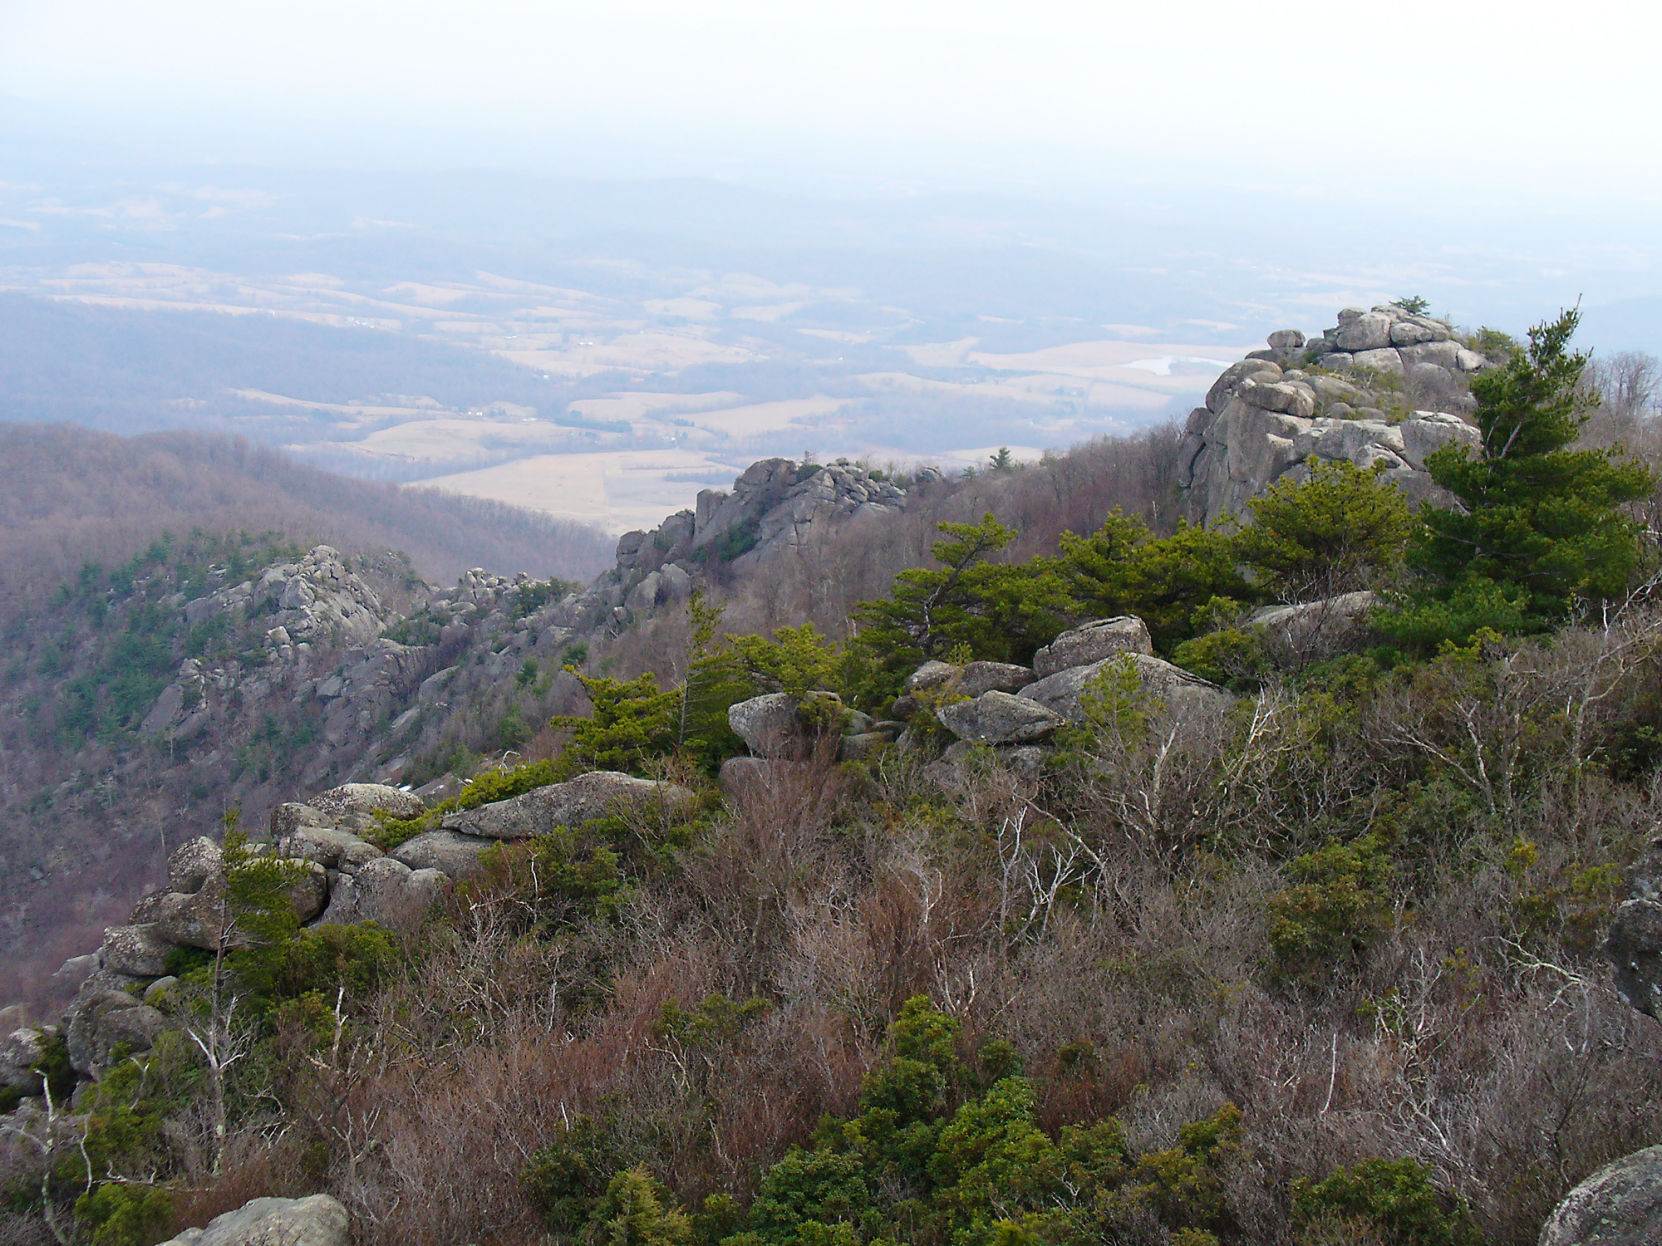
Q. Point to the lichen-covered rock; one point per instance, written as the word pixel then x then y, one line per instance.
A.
pixel 981 677
pixel 1091 642
pixel 768 724
pixel 1363 331
pixel 863 744
pixel 931 674
pixel 1183 694
pixel 386 891
pixel 451 853
pixel 1237 374
pixel 289 816
pixel 1634 944
pixel 20 1051
pixel 136 950
pixel 98 1021
pixel 1619 1205
pixel 354 805
pixel 1000 718
pixel 1285 397
pixel 195 913
pixel 597 794
pixel 198 919
pixel 192 864
pixel 70 975
pixel 1318 628
pixel 331 847
pixel 1429 431
pixel 316 1221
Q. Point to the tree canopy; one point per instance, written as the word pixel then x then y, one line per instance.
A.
pixel 1539 525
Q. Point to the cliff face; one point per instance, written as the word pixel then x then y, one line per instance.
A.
pixel 1385 386
pixel 773 507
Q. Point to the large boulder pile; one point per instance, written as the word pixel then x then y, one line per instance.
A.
pixel 773 507
pixel 1385 386
pixel 1014 708
pixel 317 599
pixel 336 875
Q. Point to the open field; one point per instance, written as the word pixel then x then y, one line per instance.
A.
pixel 596 385
pixel 603 404
pixel 618 490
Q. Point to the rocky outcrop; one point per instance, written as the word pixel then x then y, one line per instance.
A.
pixel 1634 944
pixel 330 846
pixel 333 875
pixel 354 805
pixel 20 1051
pixel 1000 718
pixel 780 726
pixel 1385 387
pixel 316 1221
pixel 451 853
pixel 102 1019
pixel 1017 724
pixel 768 724
pixel 385 891
pixel 317 599
pixel 1091 642
pixel 137 951
pixel 1181 693
pixel 1619 1205
pixel 1316 628
pixel 774 507
pixel 599 794
pixel 192 910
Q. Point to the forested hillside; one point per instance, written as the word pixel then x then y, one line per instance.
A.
pixel 1084 876
pixel 70 496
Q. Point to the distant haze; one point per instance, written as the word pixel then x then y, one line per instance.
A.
pixel 1468 97
pixel 594 258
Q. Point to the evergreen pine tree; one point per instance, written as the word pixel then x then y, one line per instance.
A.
pixel 1539 525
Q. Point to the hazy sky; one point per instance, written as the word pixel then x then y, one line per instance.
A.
pixel 1429 99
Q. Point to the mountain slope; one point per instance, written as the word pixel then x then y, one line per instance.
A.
pixel 69 496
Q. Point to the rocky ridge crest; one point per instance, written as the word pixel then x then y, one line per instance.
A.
pixel 1385 386
pixel 774 506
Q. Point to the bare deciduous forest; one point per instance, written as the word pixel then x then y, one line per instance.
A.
pixel 72 496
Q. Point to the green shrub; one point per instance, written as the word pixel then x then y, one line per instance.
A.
pixel 633 1212
pixel 1334 909
pixel 631 722
pixel 566 1179
pixel 1339 530
pixel 125 1215
pixel 1395 1198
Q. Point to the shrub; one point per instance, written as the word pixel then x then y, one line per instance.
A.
pixel 1335 907
pixel 632 721
pixel 125 1215
pixel 1395 1198
pixel 1341 529
pixel 567 1179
